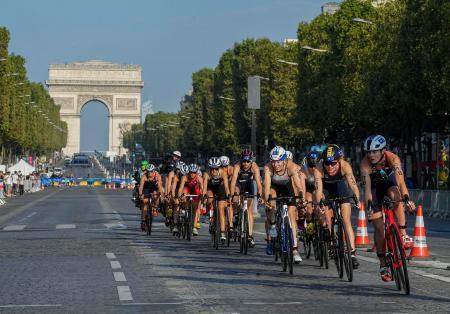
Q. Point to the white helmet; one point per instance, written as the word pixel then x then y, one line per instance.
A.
pixel 289 155
pixel 277 153
pixel 184 169
pixel 179 164
pixel 224 161
pixel 374 142
pixel 193 168
pixel 214 162
pixel 177 153
pixel 150 167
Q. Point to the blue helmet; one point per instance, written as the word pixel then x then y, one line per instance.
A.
pixel 277 153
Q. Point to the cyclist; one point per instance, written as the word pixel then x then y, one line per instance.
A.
pixel 215 183
pixel 307 168
pixel 244 173
pixel 174 186
pixel 150 187
pixel 382 176
pixel 281 178
pixel 334 178
pixel 225 165
pixel 191 183
pixel 137 178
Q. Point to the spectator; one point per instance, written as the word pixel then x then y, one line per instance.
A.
pixel 21 183
pixel 15 182
pixel 9 184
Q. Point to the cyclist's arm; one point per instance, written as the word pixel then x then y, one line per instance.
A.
pixel 318 183
pixel 267 179
pixel 160 185
pixel 299 187
pixel 169 181
pixel 226 182
pixel 174 186
pixel 398 174
pixel 365 180
pixel 205 182
pixel 257 176
pixel 141 185
pixel 348 173
pixel 181 188
pixel 234 179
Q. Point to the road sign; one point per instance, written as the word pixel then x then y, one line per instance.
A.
pixel 254 92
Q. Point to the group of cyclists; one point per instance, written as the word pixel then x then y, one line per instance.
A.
pixel 317 177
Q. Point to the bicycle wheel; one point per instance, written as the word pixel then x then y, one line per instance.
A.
pixel 347 253
pixel 189 223
pixel 320 247
pixel 227 227
pixel 400 259
pixel 394 272
pixel 217 227
pixel 244 239
pixel 336 251
pixel 148 221
pixel 289 246
pixel 325 251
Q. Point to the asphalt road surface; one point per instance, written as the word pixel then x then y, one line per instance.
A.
pixel 79 250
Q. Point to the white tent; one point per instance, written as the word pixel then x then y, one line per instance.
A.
pixel 23 167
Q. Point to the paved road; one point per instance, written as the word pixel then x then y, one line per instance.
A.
pixel 80 250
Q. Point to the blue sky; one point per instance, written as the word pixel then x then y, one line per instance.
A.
pixel 170 39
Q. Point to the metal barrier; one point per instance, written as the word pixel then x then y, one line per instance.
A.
pixel 435 203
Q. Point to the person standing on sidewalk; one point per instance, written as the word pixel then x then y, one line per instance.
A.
pixel 15 182
pixel 21 183
pixel 9 184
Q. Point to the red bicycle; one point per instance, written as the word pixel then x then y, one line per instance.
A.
pixel 395 248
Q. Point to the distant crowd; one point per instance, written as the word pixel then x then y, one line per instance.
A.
pixel 16 183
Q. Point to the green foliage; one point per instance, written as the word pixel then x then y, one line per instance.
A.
pixel 23 104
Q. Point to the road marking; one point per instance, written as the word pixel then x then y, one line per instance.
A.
pixel 115 225
pixel 66 226
pixel 30 215
pixel 110 255
pixel 29 305
pixel 415 271
pixel 115 265
pixel 272 303
pixel 119 276
pixel 14 227
pixel 154 303
pixel 124 293
pixel 261 233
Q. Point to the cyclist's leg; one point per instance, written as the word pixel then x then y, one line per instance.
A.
pixel 155 202
pixel 393 193
pixel 309 206
pixel 250 216
pixel 222 205
pixel 144 206
pixel 346 211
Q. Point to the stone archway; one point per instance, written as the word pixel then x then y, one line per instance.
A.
pixel 118 86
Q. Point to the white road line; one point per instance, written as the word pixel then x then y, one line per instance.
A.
pixel 28 216
pixel 119 276
pixel 29 305
pixel 272 303
pixel 261 233
pixel 124 293
pixel 115 265
pixel 115 225
pixel 110 256
pixel 14 227
pixel 66 226
pixel 153 303
pixel 415 271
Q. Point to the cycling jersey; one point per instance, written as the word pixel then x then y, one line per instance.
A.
pixel 216 186
pixel 245 180
pixel 282 184
pixel 381 178
pixel 192 186
pixel 309 180
pixel 336 185
pixel 150 184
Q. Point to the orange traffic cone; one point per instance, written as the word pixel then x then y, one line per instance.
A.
pixel 362 236
pixel 420 248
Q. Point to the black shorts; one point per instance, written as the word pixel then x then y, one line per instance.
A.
pixel 245 187
pixel 310 187
pixel 148 192
pixel 219 191
pixel 338 190
pixel 379 191
pixel 284 191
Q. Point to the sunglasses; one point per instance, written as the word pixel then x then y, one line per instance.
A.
pixel 333 163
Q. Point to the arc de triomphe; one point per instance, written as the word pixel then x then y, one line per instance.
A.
pixel 118 86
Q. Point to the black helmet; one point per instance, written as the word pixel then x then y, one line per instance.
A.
pixel 312 158
pixel 332 153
